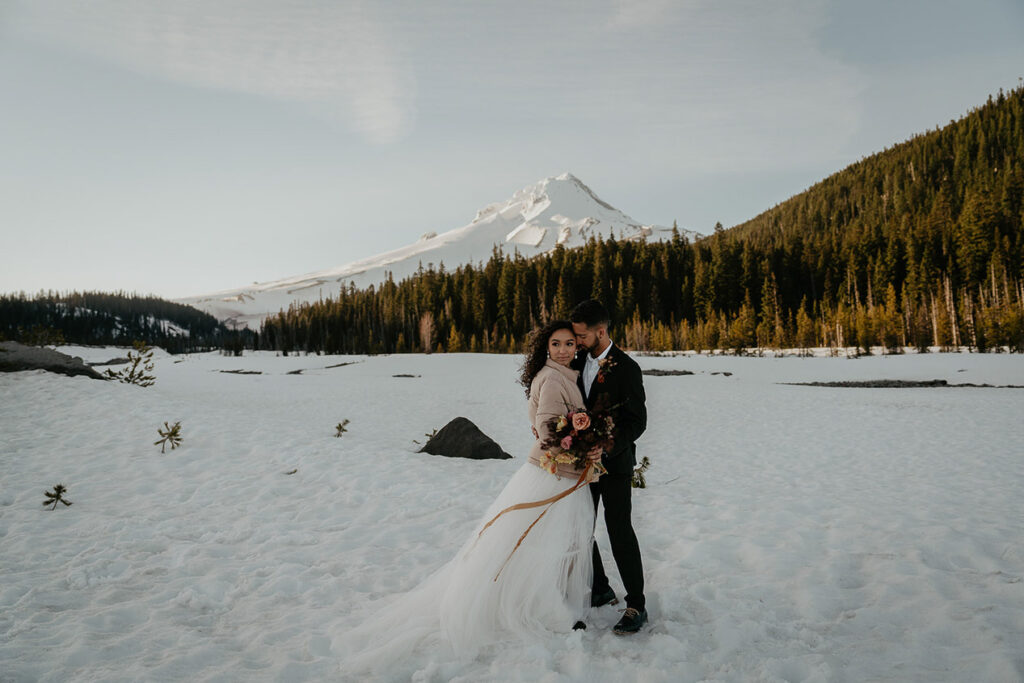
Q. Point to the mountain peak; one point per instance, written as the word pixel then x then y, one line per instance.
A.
pixel 558 210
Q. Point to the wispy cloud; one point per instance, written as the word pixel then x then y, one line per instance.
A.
pixel 640 13
pixel 336 58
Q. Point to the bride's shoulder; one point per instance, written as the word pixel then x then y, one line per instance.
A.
pixel 542 376
pixel 551 380
pixel 549 375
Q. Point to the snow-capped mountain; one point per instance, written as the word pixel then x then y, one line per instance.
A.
pixel 557 210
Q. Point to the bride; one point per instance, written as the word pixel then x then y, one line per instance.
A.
pixel 502 583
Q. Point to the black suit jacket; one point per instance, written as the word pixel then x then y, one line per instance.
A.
pixel 622 389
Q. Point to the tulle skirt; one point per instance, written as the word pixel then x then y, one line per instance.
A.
pixel 482 595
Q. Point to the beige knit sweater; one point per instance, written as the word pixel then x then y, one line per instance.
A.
pixel 553 392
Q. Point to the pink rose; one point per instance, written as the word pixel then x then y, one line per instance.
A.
pixel 580 421
pixel 567 443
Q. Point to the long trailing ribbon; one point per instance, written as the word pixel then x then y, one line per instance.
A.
pixel 524 506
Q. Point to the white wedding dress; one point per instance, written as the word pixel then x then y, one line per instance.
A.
pixel 542 590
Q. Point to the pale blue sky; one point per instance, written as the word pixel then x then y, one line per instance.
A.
pixel 182 147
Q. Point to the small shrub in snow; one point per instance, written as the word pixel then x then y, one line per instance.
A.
pixel 171 435
pixel 429 436
pixel 140 363
pixel 56 496
pixel 340 427
pixel 639 482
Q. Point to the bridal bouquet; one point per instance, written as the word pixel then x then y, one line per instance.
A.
pixel 575 434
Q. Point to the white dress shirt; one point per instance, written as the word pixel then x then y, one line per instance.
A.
pixel 592 366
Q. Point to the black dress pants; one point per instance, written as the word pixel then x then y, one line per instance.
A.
pixel 616 491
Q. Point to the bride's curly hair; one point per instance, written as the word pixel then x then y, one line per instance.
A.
pixel 537 351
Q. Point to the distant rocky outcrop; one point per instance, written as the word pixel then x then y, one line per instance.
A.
pixel 877 384
pixel 901 384
pixel 460 438
pixel 655 372
pixel 15 357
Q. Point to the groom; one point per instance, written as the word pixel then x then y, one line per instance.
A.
pixel 609 378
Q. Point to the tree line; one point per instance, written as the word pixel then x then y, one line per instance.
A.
pixel 919 245
pixel 98 318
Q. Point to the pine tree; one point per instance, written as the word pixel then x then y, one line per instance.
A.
pixel 454 340
pixel 975 230
pixel 140 363
pixel 169 435
pixel 56 496
pixel 806 338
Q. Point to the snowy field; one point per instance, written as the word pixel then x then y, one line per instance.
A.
pixel 789 533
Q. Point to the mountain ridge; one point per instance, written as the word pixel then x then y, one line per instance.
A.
pixel 557 210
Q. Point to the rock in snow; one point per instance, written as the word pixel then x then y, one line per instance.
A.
pixel 15 357
pixel 460 438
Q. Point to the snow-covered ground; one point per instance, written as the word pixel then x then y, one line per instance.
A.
pixel 789 533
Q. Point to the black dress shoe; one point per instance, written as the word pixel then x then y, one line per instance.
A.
pixel 600 599
pixel 631 621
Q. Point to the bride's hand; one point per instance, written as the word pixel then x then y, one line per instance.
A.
pixel 534 430
pixel 595 454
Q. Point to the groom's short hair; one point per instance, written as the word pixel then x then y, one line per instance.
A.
pixel 591 313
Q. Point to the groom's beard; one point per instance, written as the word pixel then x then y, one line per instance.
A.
pixel 586 350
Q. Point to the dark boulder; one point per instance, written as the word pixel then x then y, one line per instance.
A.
pixel 15 357
pixel 460 438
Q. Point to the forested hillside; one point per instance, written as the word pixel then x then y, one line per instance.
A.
pixel 102 318
pixel 919 245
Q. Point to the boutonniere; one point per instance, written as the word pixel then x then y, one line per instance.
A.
pixel 604 366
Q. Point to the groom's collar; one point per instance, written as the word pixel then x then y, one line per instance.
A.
pixel 604 354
